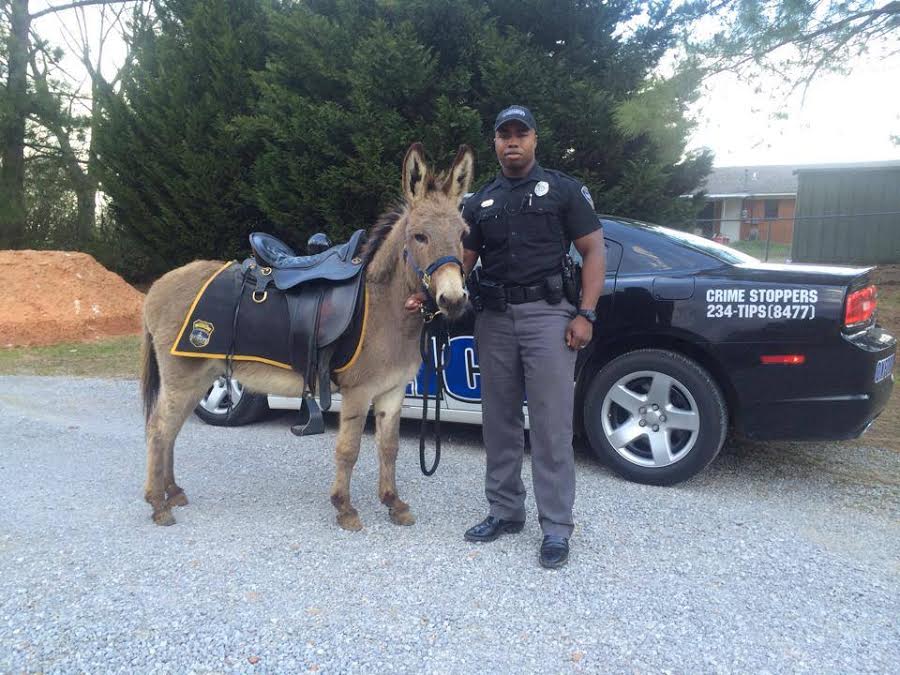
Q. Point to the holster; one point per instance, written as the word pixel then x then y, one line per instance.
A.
pixel 493 296
pixel 571 280
pixel 473 286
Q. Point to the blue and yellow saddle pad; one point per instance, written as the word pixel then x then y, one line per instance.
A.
pixel 255 331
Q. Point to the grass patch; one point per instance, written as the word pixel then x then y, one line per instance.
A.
pixel 777 252
pixel 114 357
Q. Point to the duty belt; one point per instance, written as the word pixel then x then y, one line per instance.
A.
pixel 517 295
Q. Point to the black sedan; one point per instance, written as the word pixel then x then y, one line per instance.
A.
pixel 693 339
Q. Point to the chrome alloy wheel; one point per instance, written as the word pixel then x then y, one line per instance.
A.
pixel 217 398
pixel 650 418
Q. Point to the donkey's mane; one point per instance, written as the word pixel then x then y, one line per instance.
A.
pixel 380 231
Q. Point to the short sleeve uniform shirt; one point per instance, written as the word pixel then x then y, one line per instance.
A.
pixel 522 228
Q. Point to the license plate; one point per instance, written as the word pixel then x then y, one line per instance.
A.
pixel 884 367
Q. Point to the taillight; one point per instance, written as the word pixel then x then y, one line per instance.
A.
pixel 783 359
pixel 860 306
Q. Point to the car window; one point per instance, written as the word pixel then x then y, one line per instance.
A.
pixel 692 241
pixel 715 249
pixel 613 255
pixel 660 256
pixel 670 250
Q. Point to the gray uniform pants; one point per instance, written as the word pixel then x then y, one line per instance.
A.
pixel 521 349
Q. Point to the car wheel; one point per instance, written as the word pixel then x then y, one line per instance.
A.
pixel 246 407
pixel 655 416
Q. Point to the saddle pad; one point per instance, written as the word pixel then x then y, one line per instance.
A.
pixel 263 333
pixel 264 329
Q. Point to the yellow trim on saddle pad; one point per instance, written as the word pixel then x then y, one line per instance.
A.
pixel 187 317
pixel 236 357
pixel 362 333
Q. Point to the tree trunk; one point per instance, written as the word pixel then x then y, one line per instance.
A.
pixel 87 208
pixel 12 173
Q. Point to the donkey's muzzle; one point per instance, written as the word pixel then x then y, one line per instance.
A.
pixel 453 306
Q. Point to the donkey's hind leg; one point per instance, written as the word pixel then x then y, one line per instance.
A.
pixel 173 407
pixel 354 409
pixel 387 436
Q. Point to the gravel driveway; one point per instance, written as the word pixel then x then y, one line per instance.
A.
pixel 777 558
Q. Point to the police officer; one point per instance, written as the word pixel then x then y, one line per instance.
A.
pixel 528 332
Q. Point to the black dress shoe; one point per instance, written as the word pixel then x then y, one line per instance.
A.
pixel 554 551
pixel 490 528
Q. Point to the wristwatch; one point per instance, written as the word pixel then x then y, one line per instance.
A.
pixel 588 314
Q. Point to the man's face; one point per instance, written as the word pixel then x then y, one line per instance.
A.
pixel 515 144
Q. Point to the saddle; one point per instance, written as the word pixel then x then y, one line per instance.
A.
pixel 323 294
pixel 302 313
pixel 337 263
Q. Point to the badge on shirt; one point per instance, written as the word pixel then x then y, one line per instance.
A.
pixel 587 195
pixel 486 203
pixel 542 188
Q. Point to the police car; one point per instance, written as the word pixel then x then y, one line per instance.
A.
pixel 693 341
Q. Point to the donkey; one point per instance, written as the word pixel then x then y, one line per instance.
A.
pixel 426 227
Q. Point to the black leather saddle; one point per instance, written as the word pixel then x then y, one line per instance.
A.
pixel 338 263
pixel 323 294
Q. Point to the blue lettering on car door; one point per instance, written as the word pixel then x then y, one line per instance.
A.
pixel 462 377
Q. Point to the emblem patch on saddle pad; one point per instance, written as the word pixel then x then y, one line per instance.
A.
pixel 201 332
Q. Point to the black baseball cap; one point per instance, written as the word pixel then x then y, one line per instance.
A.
pixel 518 113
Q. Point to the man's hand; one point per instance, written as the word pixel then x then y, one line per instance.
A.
pixel 414 302
pixel 579 333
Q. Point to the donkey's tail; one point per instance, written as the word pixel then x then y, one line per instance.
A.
pixel 149 374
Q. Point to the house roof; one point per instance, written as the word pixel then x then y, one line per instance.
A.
pixel 773 179
pixel 748 181
pixel 852 166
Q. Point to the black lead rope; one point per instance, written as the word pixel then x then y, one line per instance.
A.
pixel 434 370
pixel 433 330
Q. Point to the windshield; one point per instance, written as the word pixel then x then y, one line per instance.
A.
pixel 718 251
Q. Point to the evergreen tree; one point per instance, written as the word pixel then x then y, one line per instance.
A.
pixel 168 160
pixel 350 84
pixel 229 122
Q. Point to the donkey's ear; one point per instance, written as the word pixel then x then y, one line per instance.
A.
pixel 461 173
pixel 415 173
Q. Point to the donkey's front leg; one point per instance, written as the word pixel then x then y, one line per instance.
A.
pixel 354 409
pixel 387 435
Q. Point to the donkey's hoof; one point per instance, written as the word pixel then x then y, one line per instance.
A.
pixel 350 521
pixel 177 498
pixel 164 517
pixel 404 517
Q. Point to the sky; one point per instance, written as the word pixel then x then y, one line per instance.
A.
pixel 844 118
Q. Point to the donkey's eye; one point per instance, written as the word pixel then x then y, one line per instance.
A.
pixel 421 238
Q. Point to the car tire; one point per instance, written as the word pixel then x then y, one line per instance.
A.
pixel 246 407
pixel 660 446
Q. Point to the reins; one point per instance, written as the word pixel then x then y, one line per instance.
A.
pixel 433 342
pixel 434 335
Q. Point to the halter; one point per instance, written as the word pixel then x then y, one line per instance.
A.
pixel 430 307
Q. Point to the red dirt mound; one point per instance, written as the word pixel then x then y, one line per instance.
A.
pixel 50 297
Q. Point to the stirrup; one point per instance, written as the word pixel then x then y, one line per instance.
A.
pixel 311 420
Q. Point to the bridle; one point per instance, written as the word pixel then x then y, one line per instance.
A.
pixel 436 335
pixel 430 307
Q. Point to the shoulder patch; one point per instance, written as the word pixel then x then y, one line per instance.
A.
pixel 587 195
